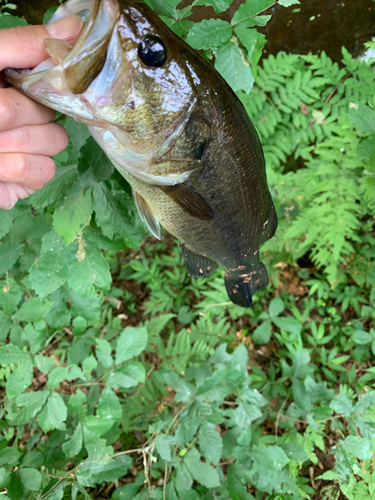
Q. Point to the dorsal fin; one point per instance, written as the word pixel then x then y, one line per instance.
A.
pixel 190 200
pixel 146 215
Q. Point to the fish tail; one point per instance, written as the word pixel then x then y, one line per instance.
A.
pixel 242 284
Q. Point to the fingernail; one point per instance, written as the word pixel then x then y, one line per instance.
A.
pixel 65 28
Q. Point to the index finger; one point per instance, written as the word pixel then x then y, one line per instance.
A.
pixel 23 46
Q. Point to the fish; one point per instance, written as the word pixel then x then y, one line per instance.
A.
pixel 172 127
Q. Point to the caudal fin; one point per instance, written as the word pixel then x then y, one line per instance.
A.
pixel 241 285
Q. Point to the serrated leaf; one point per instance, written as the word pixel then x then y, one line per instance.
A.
pixel 51 270
pixel 57 411
pixel 276 307
pixel 9 456
pixel 163 445
pixel 262 334
pixel 342 405
pixel 93 165
pixel 210 442
pixel 10 295
pixel 55 188
pixel 202 472
pixel 289 324
pixel 209 34
pixel 109 405
pixel 6 219
pixel 243 16
pixel 10 354
pixel 61 373
pixel 72 213
pixel 288 3
pixel 103 352
pixel 9 253
pixel 358 446
pixel 131 342
pixel 31 478
pixel 184 390
pixel 89 268
pixel 361 337
pixel 31 403
pixel 363 117
pixel 10 21
pixel 4 479
pixel 236 483
pixel 184 479
pixel 218 5
pixel 73 446
pixel 33 309
pixel 231 63
pixel 20 379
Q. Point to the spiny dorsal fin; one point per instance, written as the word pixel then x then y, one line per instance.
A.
pixel 190 200
pixel 197 265
pixel 146 215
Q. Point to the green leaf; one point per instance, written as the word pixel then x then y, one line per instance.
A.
pixel 289 324
pixel 262 334
pixel 209 34
pixel 268 459
pixel 288 3
pixel 126 492
pixel 31 403
pixel 116 215
pixel 20 379
pixel 163 444
pixel 61 373
pixel 300 394
pixel 10 354
pixel 90 268
pixel 276 307
pixel 236 483
pixel 57 411
pixel 88 307
pixel 10 295
pixel 9 253
pixel 366 147
pixel 342 405
pixel 363 117
pixel 218 5
pixel 6 219
pixel 51 270
pixel 202 472
pixel 4 478
pixel 249 9
pixel 89 365
pixel 361 337
pixel 230 61
pixel 131 342
pixel 111 470
pixel 10 21
pixel 93 165
pixel 103 352
pixel 9 456
pixel 33 309
pixel 31 478
pixel 54 189
pixel 130 375
pixel 109 405
pixel 73 446
pixel 184 390
pixel 358 446
pixel 210 442
pixel 5 326
pixel 72 214
pixel 184 479
pixel 78 135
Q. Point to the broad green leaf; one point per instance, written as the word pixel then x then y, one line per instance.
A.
pixel 10 21
pixel 109 405
pixel 300 394
pixel 245 414
pixel 230 61
pixel 31 478
pixel 4 478
pixel 9 253
pixel 236 483
pixel 57 411
pixel 71 372
pixel 262 334
pixel 54 189
pixel 358 446
pixel 185 391
pixel 98 425
pixel 363 117
pixel 111 470
pixel 210 442
pixel 218 5
pixel 126 492
pixel 33 309
pixel 288 3
pixel 272 458
pixel 31 403
pixel 72 213
pixel 89 268
pixel 87 307
pixel 51 270
pixel 295 452
pixel 73 446
pixel 10 295
pixel 131 342
pixel 243 16
pixel 361 337
pixel 89 365
pixel 276 307
pixel 184 479
pixel 209 34
pixel 10 354
pixel 163 445
pixel 20 379
pixel 342 405
pixel 5 325
pixel 103 352
pixel 78 135
pixel 6 219
pixel 366 147
pixel 202 472
pixel 116 215
pixel 288 323
pixel 130 375
pixel 77 403
pixel 9 456
pixel 93 165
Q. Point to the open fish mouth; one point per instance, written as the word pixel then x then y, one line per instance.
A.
pixel 62 80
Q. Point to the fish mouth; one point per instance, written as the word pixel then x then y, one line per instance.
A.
pixel 62 81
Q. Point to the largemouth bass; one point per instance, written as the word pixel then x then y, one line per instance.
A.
pixel 172 127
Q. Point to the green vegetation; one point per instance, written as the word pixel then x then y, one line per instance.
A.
pixel 122 377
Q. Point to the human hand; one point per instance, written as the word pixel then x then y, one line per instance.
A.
pixel 27 137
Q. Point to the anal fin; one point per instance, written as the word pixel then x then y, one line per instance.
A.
pixel 190 200
pixel 198 265
pixel 146 215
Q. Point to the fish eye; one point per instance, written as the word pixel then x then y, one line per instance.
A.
pixel 152 51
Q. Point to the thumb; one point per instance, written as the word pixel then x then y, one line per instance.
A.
pixel 23 46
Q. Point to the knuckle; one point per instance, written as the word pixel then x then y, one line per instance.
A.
pixel 7 113
pixel 22 138
pixel 22 166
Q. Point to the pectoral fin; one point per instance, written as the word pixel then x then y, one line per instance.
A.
pixel 190 200
pixel 197 265
pixel 146 215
